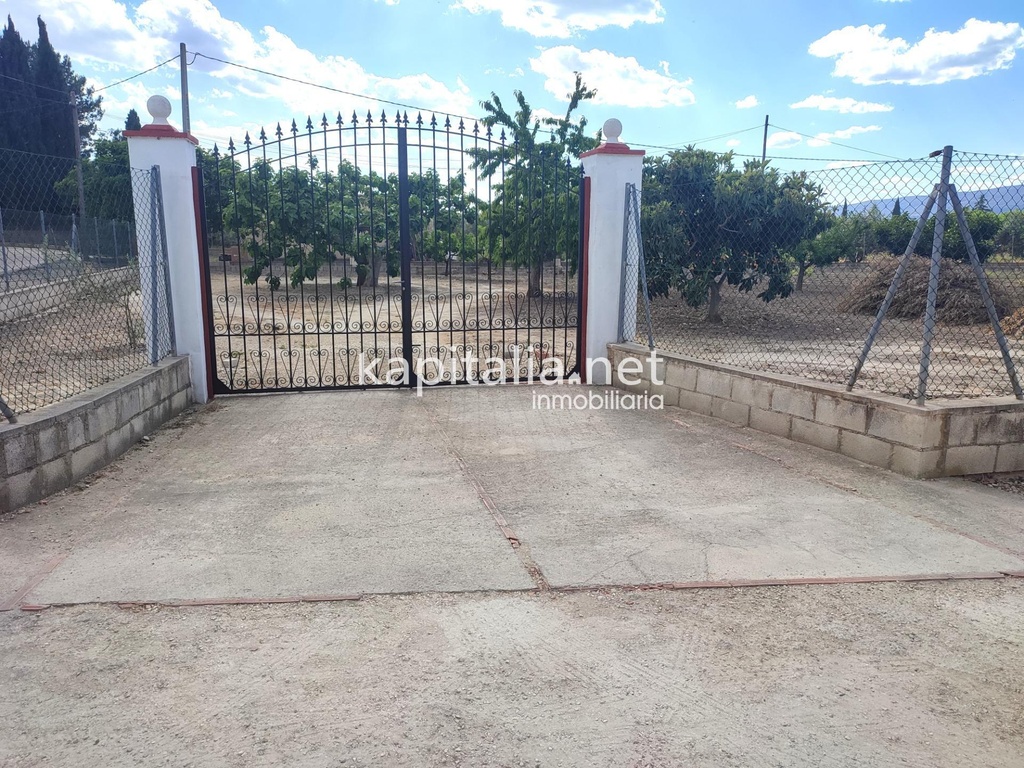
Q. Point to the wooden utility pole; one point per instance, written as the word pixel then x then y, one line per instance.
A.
pixel 78 156
pixel 764 143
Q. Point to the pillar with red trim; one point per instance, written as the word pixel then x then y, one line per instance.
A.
pixel 161 144
pixel 610 168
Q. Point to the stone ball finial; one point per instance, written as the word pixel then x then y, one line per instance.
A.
pixel 160 108
pixel 612 130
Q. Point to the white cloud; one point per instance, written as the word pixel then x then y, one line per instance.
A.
pixel 784 140
pixel 732 143
pixel 106 33
pixel 845 106
pixel 866 56
pixel 824 139
pixel 748 102
pixel 564 18
pixel 619 80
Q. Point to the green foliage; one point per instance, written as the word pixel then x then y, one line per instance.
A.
pixel 107 179
pixel 709 224
pixel 532 217
pixel 1011 234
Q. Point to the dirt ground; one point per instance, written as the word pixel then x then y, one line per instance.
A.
pixel 313 334
pixel 95 334
pixel 805 335
pixel 856 675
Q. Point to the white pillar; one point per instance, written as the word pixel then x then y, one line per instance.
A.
pixel 174 152
pixel 610 168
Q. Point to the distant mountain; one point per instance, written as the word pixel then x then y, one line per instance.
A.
pixel 998 199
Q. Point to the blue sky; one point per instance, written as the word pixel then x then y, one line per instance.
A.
pixel 894 77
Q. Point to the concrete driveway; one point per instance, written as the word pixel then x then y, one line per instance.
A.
pixel 471 489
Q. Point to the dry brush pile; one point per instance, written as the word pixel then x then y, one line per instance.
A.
pixel 958 302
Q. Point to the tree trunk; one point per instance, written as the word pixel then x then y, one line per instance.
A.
pixel 536 274
pixel 800 276
pixel 374 276
pixel 714 302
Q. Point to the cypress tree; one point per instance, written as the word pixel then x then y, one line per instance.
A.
pixel 19 121
pixel 56 135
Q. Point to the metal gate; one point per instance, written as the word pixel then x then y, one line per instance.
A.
pixel 375 252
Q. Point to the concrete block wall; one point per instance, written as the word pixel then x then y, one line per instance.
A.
pixel 940 439
pixel 52 448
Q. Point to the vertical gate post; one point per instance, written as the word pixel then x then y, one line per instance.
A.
pixel 405 238
pixel 610 168
pixel 160 144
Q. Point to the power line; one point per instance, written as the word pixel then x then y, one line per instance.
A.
pixel 328 87
pixel 36 85
pixel 836 143
pixel 137 74
pixel 48 105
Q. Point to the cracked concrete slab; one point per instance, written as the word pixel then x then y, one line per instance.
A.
pixel 383 492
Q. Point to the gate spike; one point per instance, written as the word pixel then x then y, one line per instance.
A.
pixel 502 135
pixel 231 146
pixel 476 128
pixel 369 118
pixel 339 121
pixel 447 123
pixel 355 118
pixel 263 135
pixel 383 118
pixel 398 117
pixel 433 120
pixel 295 128
pixel 309 124
pixel 323 121
pixel 279 133
pixel 247 141
pixel 216 152
pixel 405 118
pixel 487 133
pixel 419 119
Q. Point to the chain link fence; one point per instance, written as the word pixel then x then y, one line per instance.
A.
pixel 786 271
pixel 83 300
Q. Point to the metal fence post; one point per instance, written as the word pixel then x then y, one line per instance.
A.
pixel 46 245
pixel 74 235
pixel 165 261
pixel 625 258
pixel 113 228
pixel 894 286
pixel 933 277
pixel 154 228
pixel 405 239
pixel 3 250
pixel 96 231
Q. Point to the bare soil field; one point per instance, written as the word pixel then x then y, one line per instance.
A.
pixel 806 335
pixel 314 334
pixel 88 333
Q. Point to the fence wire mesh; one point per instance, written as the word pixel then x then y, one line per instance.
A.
pixel 635 305
pixel 83 300
pixel 785 272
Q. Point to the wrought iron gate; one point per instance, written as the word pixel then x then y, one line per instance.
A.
pixel 370 252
